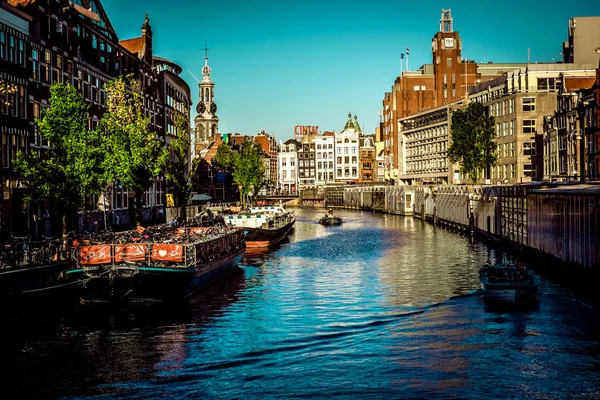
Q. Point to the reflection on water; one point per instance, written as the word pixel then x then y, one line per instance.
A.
pixel 380 307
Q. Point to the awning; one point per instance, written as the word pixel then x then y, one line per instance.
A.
pixel 201 197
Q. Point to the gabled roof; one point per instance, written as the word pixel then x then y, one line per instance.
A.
pixel 135 45
pixel 21 3
pixel 86 12
pixel 91 9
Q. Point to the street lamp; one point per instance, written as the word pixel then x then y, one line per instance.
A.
pixel 581 106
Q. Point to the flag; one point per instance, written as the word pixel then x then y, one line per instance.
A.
pixel 402 56
pixel 407 51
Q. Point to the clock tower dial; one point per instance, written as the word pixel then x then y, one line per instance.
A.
pixel 213 108
pixel 200 108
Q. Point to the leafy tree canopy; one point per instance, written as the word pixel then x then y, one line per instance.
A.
pixel 178 169
pixel 472 140
pixel 136 155
pixel 247 167
pixel 71 169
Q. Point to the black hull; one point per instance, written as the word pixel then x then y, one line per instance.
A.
pixel 330 221
pixel 263 238
pixel 504 288
pixel 37 286
pixel 142 284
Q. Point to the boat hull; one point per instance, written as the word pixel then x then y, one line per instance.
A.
pixel 499 284
pixel 158 275
pixel 37 286
pixel 142 284
pixel 330 221
pixel 263 238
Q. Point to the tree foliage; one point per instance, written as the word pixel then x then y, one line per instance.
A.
pixel 247 167
pixel 178 169
pixel 72 168
pixel 224 159
pixel 472 140
pixel 136 155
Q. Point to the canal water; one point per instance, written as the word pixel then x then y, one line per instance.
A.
pixel 382 307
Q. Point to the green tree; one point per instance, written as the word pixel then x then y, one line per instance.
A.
pixel 472 140
pixel 224 159
pixel 71 169
pixel 247 167
pixel 136 155
pixel 178 170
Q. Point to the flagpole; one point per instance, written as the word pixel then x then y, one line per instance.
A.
pixel 407 53
pixel 401 58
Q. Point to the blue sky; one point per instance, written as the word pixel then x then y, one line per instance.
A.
pixel 277 63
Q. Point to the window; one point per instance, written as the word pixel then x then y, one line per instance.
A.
pixel 445 93
pixel 529 148
pixel 529 126
pixel 511 106
pixel 35 55
pixel 449 62
pixel 2 45
pixel 530 170
pixel 528 103
pixel 21 55
pixel 11 49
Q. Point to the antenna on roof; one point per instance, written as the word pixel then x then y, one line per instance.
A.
pixel 197 80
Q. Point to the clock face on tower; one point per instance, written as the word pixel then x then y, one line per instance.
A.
pixel 213 108
pixel 200 108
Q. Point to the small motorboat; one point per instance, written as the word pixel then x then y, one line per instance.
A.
pixel 508 282
pixel 330 219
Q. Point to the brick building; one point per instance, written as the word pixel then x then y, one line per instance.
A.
pixel 61 41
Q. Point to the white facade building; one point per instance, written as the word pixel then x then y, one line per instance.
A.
pixel 287 167
pixel 324 150
pixel 346 151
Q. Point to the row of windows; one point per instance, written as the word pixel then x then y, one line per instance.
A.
pixel 347 150
pixel 505 128
pixel 322 176
pixel 12 48
pixel 436 165
pixel 292 174
pixel 427 150
pixel 505 107
pixel 346 160
pixel 347 172
pixel 325 146
pixel 11 144
pixel 12 99
pixel 325 155
pixel 310 163
pixel 505 171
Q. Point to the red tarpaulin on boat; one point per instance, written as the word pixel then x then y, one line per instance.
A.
pixel 167 252
pixel 92 255
pixel 130 252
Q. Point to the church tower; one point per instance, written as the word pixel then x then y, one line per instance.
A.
pixel 206 122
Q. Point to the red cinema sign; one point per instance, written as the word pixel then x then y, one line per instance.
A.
pixel 306 130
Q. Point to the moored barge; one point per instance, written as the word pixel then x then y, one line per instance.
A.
pixel 263 226
pixel 150 271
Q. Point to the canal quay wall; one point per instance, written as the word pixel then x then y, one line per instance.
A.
pixel 556 221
